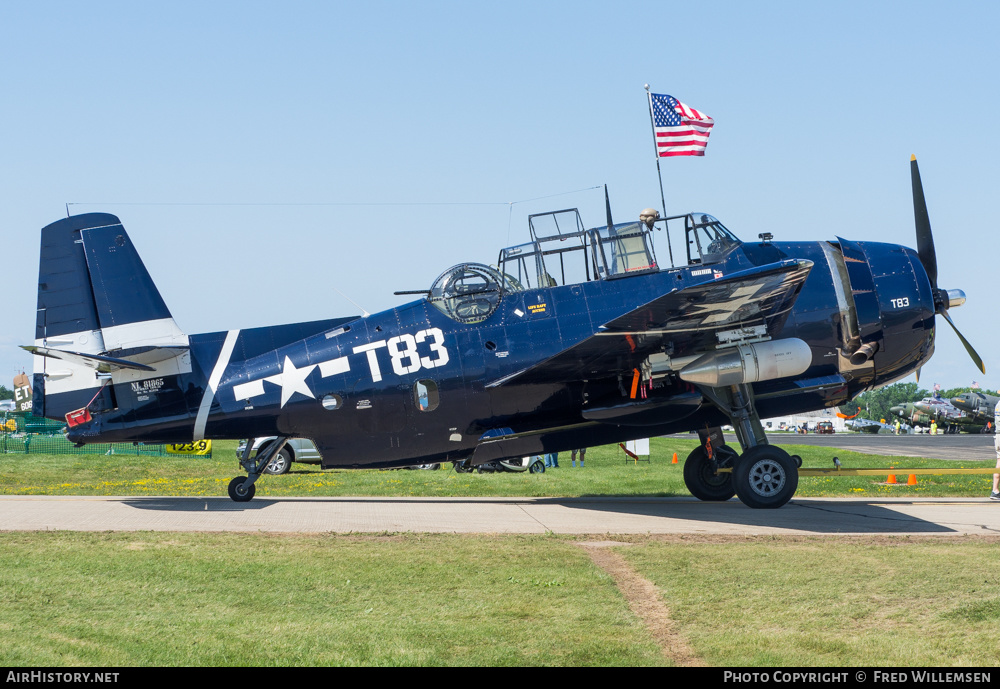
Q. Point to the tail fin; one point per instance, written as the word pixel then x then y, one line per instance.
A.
pixel 100 318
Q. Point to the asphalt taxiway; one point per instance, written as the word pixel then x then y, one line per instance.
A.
pixel 957 446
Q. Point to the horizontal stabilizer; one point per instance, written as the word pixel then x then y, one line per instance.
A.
pixel 149 355
pixel 98 362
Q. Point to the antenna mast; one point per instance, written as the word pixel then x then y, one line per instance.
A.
pixel 663 203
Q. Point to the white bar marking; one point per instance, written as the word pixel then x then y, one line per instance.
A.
pixel 213 383
pixel 245 391
pixel 334 366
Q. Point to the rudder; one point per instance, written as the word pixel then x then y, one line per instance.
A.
pixel 100 318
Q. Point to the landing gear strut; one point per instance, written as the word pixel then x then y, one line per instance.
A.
pixel 243 489
pixel 763 477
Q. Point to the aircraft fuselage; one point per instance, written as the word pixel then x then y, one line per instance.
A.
pixel 411 385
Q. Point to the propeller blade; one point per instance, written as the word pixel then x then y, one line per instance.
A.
pixel 925 240
pixel 968 347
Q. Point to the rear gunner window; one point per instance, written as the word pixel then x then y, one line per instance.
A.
pixel 468 293
pixel 425 395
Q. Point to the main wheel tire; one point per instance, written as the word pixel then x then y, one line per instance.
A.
pixel 765 477
pixel 240 494
pixel 701 479
pixel 280 463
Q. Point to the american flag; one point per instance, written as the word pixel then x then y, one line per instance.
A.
pixel 680 130
pixel 975 385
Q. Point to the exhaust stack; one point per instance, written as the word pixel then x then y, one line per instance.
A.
pixel 750 363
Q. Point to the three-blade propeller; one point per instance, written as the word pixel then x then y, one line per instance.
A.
pixel 925 250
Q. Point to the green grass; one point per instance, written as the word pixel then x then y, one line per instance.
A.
pixel 886 602
pixel 127 599
pixel 607 473
pixel 234 599
pixel 145 599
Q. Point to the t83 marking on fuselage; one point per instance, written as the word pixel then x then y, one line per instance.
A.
pixel 404 354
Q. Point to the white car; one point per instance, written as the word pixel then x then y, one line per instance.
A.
pixel 295 450
pixel 534 465
pixel 299 450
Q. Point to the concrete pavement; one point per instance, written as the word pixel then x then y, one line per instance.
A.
pixel 801 516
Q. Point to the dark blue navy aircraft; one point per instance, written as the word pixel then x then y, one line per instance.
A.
pixel 574 339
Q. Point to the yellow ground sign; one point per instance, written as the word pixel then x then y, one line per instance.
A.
pixel 200 447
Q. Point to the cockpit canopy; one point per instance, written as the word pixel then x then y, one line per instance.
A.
pixel 707 239
pixel 563 252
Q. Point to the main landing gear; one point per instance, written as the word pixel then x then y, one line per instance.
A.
pixel 243 489
pixel 763 477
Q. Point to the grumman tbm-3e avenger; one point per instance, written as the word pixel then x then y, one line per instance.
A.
pixel 577 338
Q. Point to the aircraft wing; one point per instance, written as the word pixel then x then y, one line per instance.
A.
pixel 683 321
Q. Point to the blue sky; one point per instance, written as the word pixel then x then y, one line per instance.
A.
pixel 268 157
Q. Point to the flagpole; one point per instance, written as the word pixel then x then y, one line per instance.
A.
pixel 663 203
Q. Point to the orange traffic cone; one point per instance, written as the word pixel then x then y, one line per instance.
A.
pixel 912 481
pixel 675 459
pixel 891 479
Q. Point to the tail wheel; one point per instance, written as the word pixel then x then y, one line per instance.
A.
pixel 702 480
pixel 238 492
pixel 765 477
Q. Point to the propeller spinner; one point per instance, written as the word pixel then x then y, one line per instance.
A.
pixel 943 299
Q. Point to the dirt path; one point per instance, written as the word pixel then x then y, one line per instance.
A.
pixel 644 600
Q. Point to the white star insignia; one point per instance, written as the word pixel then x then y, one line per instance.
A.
pixel 292 380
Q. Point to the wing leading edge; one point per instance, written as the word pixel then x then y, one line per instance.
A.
pixel 683 322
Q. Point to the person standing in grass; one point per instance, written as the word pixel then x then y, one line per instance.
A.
pixel 572 457
pixel 995 495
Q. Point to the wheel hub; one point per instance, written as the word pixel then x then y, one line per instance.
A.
pixel 766 478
